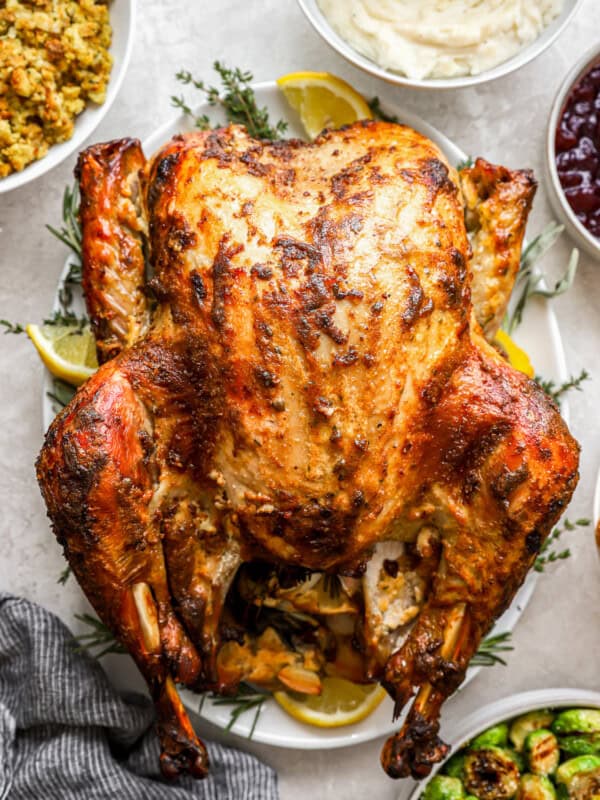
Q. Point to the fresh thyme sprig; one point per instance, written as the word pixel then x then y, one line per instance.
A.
pixel 548 554
pixel 70 232
pixel 237 99
pixel 69 319
pixel 529 282
pixel 100 638
pixel 489 650
pixel 12 327
pixel 557 392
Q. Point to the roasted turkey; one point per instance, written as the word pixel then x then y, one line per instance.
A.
pixel 298 392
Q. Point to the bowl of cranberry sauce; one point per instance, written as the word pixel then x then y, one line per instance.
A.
pixel 574 153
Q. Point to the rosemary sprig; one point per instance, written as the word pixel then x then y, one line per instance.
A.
pixel 99 638
pixel 557 392
pixel 378 112
pixel 489 650
pixel 237 99
pixel 246 699
pixel 71 279
pixel 70 235
pixel 548 554
pixel 530 282
pixel 70 231
pixel 12 327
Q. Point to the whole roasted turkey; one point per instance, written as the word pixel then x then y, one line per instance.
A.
pixel 298 393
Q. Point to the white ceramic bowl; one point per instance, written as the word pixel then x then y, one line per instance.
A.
pixel 323 27
pixel 500 710
pixel 559 202
pixel 122 18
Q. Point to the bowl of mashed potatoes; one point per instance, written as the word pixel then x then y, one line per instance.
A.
pixel 439 44
pixel 61 66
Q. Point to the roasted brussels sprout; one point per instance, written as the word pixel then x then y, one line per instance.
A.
pixel 576 767
pixel 577 720
pixel 541 750
pixel 535 787
pixel 444 787
pixel 491 773
pixel 527 723
pixel 585 786
pixel 455 766
pixel 584 744
pixel 581 780
pixel 521 760
pixel 493 737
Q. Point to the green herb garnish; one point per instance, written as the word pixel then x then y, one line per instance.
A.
pixel 69 319
pixel 529 282
pixel 378 112
pixel 245 699
pixel 237 99
pixel 466 163
pixel 65 575
pixel 99 638
pixel 548 554
pixel 62 393
pixel 12 327
pixel 489 650
pixel 70 232
pixel 557 392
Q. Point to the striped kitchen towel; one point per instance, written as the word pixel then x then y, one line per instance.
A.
pixel 66 734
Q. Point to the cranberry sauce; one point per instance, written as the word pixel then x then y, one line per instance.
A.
pixel 578 149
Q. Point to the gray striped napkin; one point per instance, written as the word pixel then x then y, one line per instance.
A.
pixel 66 734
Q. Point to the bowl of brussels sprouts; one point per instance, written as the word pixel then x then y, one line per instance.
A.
pixel 541 745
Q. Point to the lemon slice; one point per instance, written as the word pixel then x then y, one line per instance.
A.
pixel 340 703
pixel 516 356
pixel 323 100
pixel 69 351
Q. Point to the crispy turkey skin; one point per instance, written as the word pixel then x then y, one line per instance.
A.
pixel 302 382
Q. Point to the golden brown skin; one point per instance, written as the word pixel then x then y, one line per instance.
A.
pixel 313 385
pixel 114 275
pixel 497 204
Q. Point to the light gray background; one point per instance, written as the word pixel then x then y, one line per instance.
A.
pixel 557 641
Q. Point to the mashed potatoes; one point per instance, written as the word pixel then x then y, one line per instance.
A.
pixel 53 58
pixel 439 38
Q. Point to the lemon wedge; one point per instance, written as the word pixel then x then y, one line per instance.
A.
pixel 341 702
pixel 323 100
pixel 68 351
pixel 516 355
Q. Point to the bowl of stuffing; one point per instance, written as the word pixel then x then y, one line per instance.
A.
pixel 538 745
pixel 438 44
pixel 61 67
